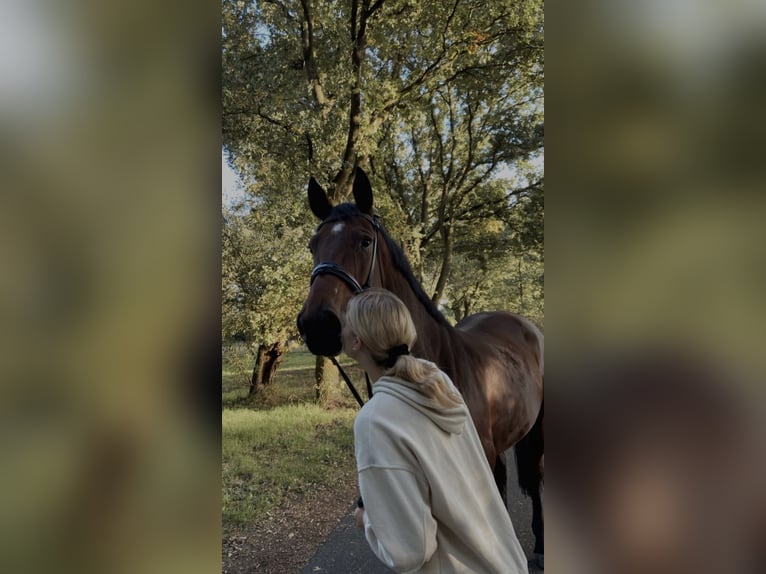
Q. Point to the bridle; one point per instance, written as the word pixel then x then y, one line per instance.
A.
pixel 332 268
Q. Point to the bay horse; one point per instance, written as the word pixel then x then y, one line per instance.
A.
pixel 495 359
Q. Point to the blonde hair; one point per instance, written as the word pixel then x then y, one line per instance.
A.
pixel 382 321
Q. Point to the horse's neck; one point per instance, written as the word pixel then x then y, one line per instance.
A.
pixel 436 339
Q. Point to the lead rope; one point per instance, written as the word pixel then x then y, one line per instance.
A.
pixel 359 502
pixel 350 384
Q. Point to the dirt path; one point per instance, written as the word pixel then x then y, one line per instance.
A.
pixel 285 540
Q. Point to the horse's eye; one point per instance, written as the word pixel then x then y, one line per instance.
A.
pixel 366 242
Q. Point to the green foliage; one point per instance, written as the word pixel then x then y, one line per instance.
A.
pixel 499 263
pixel 263 275
pixel 510 283
pixel 288 75
pixel 236 371
pixel 438 100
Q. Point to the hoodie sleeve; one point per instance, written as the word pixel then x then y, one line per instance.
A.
pixel 398 522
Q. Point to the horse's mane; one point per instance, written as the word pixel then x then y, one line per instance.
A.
pixel 401 263
pixel 346 210
pixel 342 211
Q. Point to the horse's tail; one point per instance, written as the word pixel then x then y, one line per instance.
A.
pixel 529 455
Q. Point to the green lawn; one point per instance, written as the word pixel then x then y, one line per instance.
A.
pixel 281 445
pixel 270 455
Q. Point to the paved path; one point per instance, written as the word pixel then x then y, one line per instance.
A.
pixel 346 551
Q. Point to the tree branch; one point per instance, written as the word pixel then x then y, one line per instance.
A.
pixel 283 7
pixel 359 43
pixel 312 73
pixel 374 8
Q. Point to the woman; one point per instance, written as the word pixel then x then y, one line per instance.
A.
pixel 430 501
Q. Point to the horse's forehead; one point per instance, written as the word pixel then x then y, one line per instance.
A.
pixel 332 238
pixel 336 227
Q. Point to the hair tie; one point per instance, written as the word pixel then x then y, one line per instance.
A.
pixel 394 353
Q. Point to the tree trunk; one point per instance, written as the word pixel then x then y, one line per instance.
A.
pixel 446 233
pixel 256 379
pixel 309 58
pixel 267 361
pixel 327 387
pixel 275 355
pixel 360 15
pixel 466 309
pixel 319 376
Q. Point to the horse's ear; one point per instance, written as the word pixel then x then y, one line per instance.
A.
pixel 320 205
pixel 362 191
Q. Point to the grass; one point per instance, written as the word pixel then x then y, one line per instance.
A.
pixel 282 445
pixel 287 451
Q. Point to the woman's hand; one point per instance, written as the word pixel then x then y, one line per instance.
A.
pixel 359 517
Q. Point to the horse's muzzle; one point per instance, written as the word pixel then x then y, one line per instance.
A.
pixel 321 332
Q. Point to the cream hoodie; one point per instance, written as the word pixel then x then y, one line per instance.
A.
pixel 430 499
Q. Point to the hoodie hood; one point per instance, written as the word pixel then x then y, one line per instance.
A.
pixel 449 419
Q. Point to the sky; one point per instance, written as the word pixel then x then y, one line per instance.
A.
pixel 231 185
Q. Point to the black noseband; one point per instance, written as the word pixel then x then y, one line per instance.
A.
pixel 338 271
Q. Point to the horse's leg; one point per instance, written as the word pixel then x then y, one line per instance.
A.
pixel 529 454
pixel 501 477
pixel 537 525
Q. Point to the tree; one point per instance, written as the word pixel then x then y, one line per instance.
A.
pixel 442 163
pixel 262 285
pixel 493 276
pixel 434 98
pixel 499 262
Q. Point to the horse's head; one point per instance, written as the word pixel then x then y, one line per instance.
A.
pixel 345 248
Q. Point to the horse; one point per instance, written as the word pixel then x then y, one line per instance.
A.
pixel 494 358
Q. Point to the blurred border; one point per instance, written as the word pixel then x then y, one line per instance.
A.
pixel 655 251
pixel 110 306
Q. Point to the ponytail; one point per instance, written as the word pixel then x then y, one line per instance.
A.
pixel 430 380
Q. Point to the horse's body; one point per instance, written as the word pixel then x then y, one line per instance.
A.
pixel 495 359
pixel 506 352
